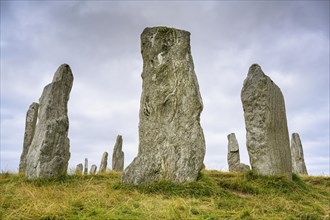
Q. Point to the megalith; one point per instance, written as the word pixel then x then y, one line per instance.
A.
pixel 118 155
pixel 30 125
pixel 93 169
pixel 267 134
pixel 49 152
pixel 79 169
pixel 233 157
pixel 297 154
pixel 104 163
pixel 171 140
pixel 86 166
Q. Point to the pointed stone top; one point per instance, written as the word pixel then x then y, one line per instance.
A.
pixel 255 68
pixel 63 72
pixel 295 134
pixel 119 142
pixel 231 134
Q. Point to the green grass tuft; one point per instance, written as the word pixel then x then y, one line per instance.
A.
pixel 204 186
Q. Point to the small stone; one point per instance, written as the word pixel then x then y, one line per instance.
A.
pixel 104 163
pixel 93 169
pixel 171 139
pixel 233 157
pixel 30 125
pixel 233 152
pixel 86 167
pixel 266 125
pixel 298 161
pixel 240 168
pixel 49 152
pixel 79 169
pixel 118 155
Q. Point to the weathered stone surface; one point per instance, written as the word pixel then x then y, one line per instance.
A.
pixel 233 157
pixel 79 169
pixel 93 169
pixel 266 125
pixel 86 167
pixel 118 155
pixel 49 151
pixel 233 152
pixel 30 125
pixel 241 168
pixel 171 140
pixel 297 154
pixel 104 163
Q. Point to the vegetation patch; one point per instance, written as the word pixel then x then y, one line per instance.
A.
pixel 215 195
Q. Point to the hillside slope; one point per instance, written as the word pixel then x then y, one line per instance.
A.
pixel 216 195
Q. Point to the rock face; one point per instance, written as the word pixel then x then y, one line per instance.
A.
pixel 30 125
pixel 104 163
pixel 297 154
pixel 86 167
pixel 171 140
pixel 79 169
pixel 118 155
pixel 93 169
pixel 233 157
pixel 49 151
pixel 266 125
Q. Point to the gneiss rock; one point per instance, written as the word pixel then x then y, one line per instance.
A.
pixel 49 151
pixel 104 163
pixel 298 162
pixel 93 169
pixel 79 169
pixel 30 124
pixel 266 125
pixel 118 155
pixel 233 157
pixel 86 167
pixel 171 140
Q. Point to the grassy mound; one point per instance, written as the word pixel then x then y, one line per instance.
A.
pixel 215 195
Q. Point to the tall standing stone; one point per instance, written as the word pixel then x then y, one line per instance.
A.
pixel 86 167
pixel 297 154
pixel 233 157
pixel 93 169
pixel 49 151
pixel 104 163
pixel 118 155
pixel 171 140
pixel 30 125
pixel 266 125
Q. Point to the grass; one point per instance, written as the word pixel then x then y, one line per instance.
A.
pixel 215 195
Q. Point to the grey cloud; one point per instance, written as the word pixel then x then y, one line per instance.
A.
pixel 100 41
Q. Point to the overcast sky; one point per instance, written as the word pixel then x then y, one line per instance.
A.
pixel 100 40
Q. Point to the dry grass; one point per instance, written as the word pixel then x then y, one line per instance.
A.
pixel 216 195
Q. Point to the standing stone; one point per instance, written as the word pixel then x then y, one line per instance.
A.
pixel 118 155
pixel 297 154
pixel 30 125
pixel 86 167
pixel 171 140
pixel 266 125
pixel 93 169
pixel 104 163
pixel 233 157
pixel 49 151
pixel 79 169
